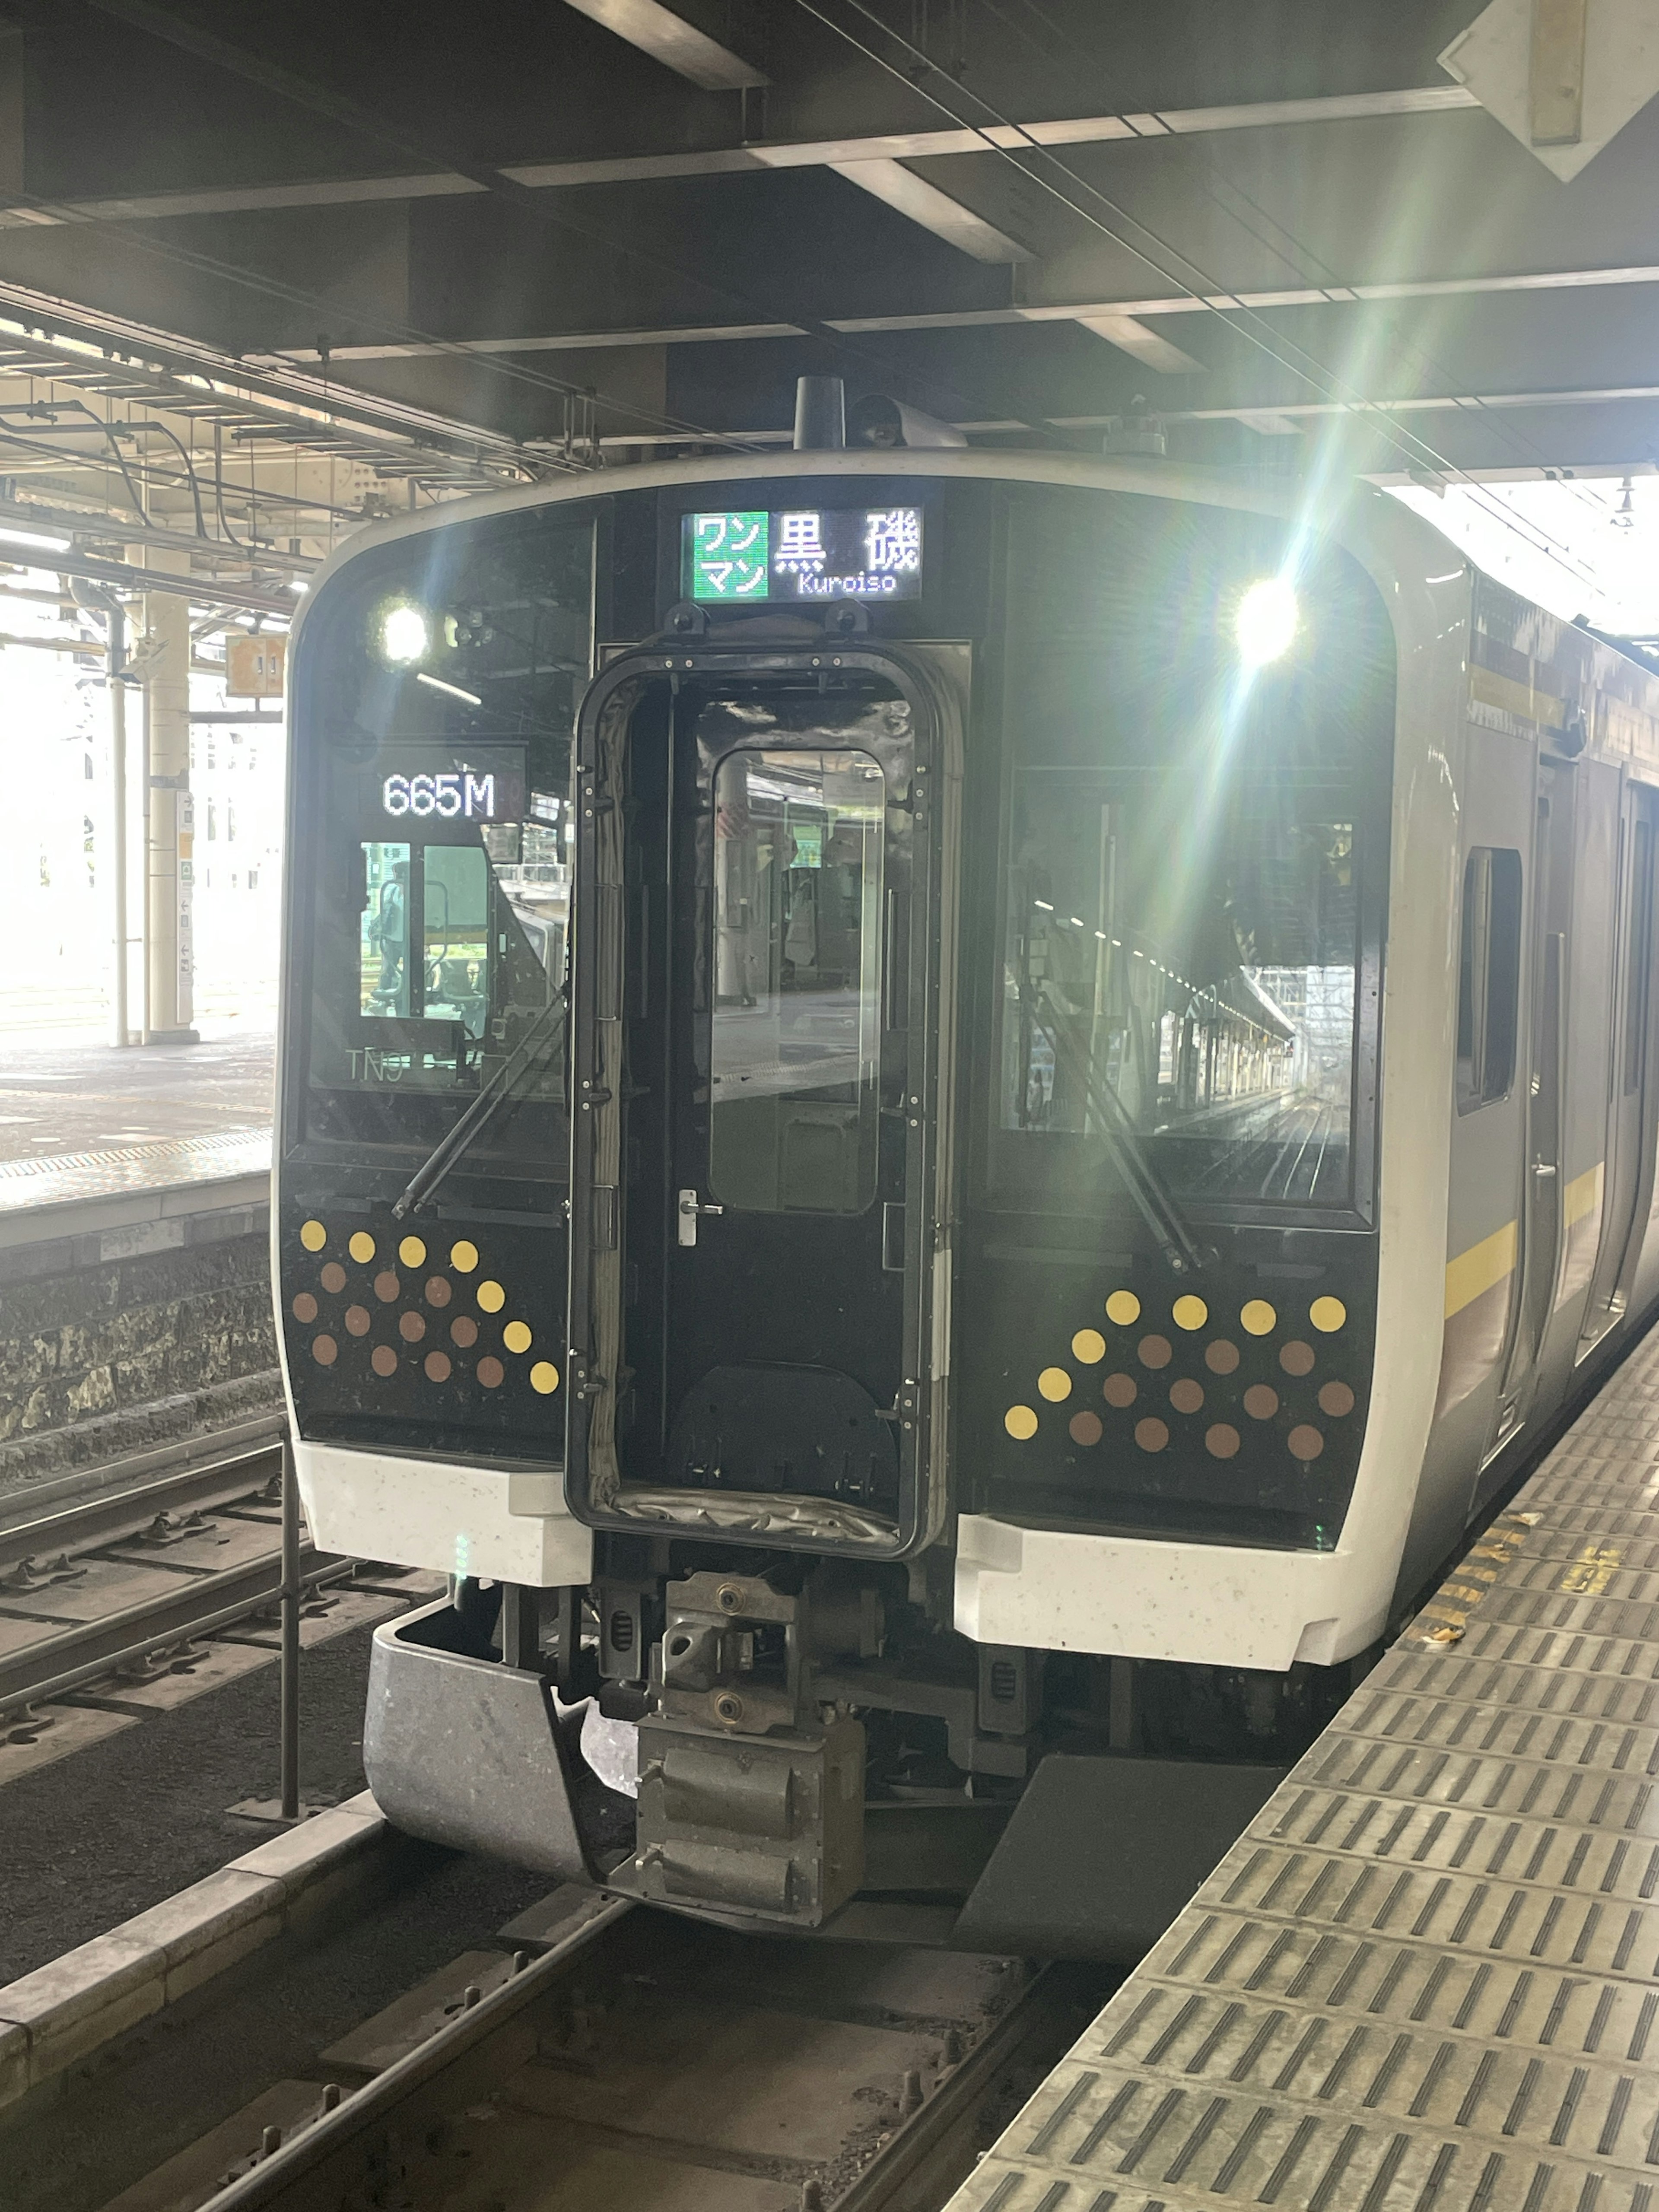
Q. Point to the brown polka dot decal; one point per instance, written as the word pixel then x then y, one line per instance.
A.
pixel 464 1331
pixel 1221 1358
pixel 1336 1399
pixel 333 1278
pixel 1119 1390
pixel 1154 1351
pixel 1086 1428
pixel 1261 1402
pixel 386 1286
pixel 1152 1435
pixel 356 1320
pixel 1297 1357
pixel 1187 1396
pixel 491 1374
pixel 411 1328
pixel 438 1291
pixel 383 1360
pixel 1221 1442
pixel 325 1351
pixel 305 1307
pixel 437 1367
pixel 1305 1443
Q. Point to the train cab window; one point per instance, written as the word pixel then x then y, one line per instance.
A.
pixel 444 693
pixel 1488 976
pixel 795 1040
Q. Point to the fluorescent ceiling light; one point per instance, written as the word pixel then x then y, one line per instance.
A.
pixel 453 690
pixel 35 537
pixel 667 38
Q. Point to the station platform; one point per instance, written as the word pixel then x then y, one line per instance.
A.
pixel 81 1122
pixel 1426 1979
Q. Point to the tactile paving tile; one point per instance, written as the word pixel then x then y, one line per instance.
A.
pixel 162 1164
pixel 1426 1979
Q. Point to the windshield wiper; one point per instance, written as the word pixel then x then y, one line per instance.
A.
pixel 544 1033
pixel 1180 1249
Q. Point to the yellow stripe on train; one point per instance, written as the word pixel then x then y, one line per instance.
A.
pixel 1478 1268
pixel 1582 1195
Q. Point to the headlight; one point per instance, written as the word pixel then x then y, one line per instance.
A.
pixel 1266 624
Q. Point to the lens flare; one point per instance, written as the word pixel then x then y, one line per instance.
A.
pixel 404 636
pixel 1266 624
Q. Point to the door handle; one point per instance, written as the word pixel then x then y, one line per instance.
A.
pixel 689 1207
pixel 1542 1168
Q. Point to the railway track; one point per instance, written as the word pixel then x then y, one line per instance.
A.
pixel 98 1588
pixel 644 2061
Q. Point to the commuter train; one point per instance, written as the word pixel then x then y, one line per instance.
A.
pixel 944 1114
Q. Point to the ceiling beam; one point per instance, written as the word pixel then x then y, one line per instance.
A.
pixel 908 194
pixel 730 161
pixel 669 39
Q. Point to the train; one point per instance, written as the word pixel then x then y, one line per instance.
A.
pixel 946 1115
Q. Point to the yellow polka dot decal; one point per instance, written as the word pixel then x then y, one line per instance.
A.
pixel 1328 1314
pixel 491 1297
pixel 361 1248
pixel 1054 1384
pixel 463 1257
pixel 544 1377
pixel 1257 1317
pixel 1021 1422
pixel 1189 1312
pixel 1123 1307
pixel 313 1236
pixel 516 1336
pixel 1089 1346
pixel 412 1252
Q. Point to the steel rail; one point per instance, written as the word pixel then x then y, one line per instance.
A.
pixel 200 1608
pixel 401 2082
pixel 109 1515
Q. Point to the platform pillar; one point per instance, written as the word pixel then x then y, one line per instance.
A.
pixel 168 887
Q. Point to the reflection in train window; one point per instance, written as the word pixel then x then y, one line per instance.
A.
pixel 1488 976
pixel 796 1037
pixel 1193 971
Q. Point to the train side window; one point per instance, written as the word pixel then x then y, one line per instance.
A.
pixel 1489 976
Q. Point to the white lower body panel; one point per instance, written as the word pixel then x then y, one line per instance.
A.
pixel 1211 1605
pixel 484 1521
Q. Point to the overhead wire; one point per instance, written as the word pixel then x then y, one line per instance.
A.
pixel 1208 291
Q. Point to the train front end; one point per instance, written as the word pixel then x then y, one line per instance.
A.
pixel 828 1175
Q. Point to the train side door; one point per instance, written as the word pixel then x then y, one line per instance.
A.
pixel 1627 1173
pixel 1540 1198
pixel 760 1232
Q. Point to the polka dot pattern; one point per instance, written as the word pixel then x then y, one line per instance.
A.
pixel 1335 1399
pixel 357 1319
pixel 1123 1307
pixel 1256 1317
pixel 1089 1346
pixel 492 1297
pixel 436 1366
pixel 1261 1401
pixel 313 1236
pixel 1155 1352
pixel 463 1257
pixel 516 1336
pixel 1305 1443
pixel 1021 1422
pixel 1221 1358
pixel 1328 1314
pixel 333 1279
pixel 386 1286
pixel 544 1377
pixel 1222 1441
pixel 1119 1390
pixel 1086 1428
pixel 383 1360
pixel 1187 1396
pixel 438 1293
pixel 412 1327
pixel 491 1373
pixel 1054 1383
pixel 412 1252
pixel 325 1351
pixel 362 1247
pixel 1152 1434
pixel 464 1331
pixel 1297 1357
pixel 1189 1312
pixel 305 1307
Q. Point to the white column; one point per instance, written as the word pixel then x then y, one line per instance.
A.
pixel 166 692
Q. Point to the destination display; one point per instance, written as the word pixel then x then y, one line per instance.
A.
pixel 441 789
pixel 804 553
